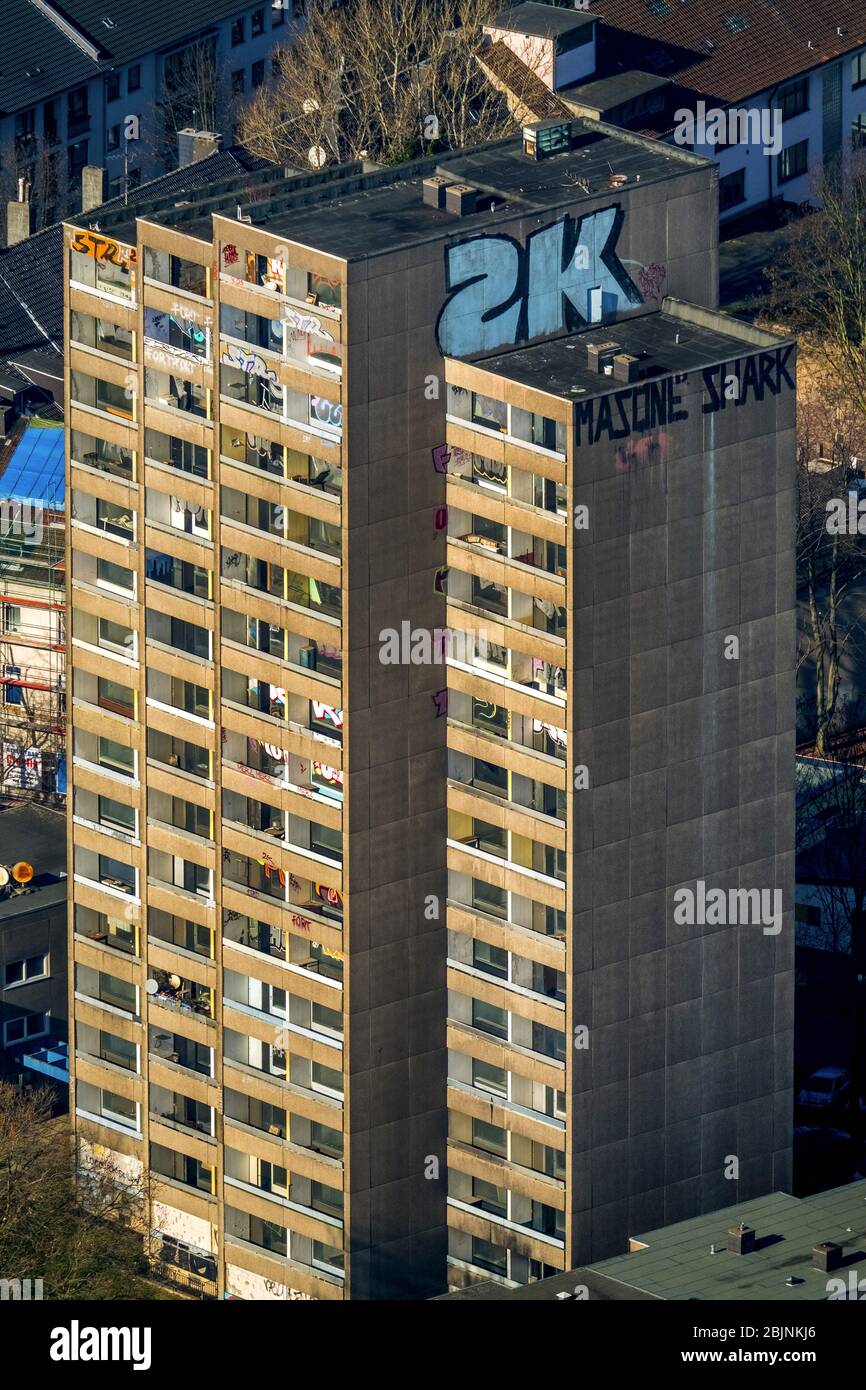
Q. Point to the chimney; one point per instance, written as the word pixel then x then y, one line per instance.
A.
pixel 18 215
pixel 625 367
pixel 827 1256
pixel 600 356
pixel 92 194
pixel 194 145
pixel 741 1239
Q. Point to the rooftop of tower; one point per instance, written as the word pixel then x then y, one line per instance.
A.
pixel 381 209
pixel 666 338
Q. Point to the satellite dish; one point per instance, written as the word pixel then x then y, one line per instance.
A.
pixel 4 876
pixel 317 155
pixel 175 981
pixel 22 871
pixel 151 986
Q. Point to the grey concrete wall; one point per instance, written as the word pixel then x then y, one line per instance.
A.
pixel 691 766
pixel 396 851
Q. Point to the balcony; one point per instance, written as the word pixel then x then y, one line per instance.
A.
pixel 103 930
pixel 180 1111
pixel 181 996
pixel 179 934
pixel 179 1051
pixel 285 585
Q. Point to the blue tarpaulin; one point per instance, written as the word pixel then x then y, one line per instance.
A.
pixel 36 472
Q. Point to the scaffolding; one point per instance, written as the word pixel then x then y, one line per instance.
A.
pixel 32 615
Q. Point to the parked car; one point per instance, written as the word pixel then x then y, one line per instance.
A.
pixel 827 1092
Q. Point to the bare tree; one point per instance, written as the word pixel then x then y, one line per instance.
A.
pixel 194 93
pixel 383 82
pixel 80 1235
pixel 44 168
pixel 818 279
pixel 831 860
pixel 831 563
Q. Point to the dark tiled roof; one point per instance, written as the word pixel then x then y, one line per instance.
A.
pixel 765 41
pixel 31 273
pixel 512 73
pixel 43 60
pixel 543 21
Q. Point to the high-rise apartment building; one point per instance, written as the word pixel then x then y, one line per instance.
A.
pixel 620 729
pixel 265 544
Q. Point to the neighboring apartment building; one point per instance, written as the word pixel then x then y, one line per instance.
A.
pixel 32 612
pixel 78 71
pixel 33 948
pixel 260 795
pixel 637 63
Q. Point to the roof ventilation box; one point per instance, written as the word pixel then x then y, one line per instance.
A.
pixel 433 190
pixel 460 198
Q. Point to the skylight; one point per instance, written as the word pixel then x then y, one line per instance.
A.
pixel 735 24
pixel 659 7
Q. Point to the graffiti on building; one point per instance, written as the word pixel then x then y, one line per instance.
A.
pixel 658 402
pixel 501 293
pixel 103 248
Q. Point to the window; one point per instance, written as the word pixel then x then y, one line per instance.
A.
pixel 326 291
pixel 115 757
pixel 326 1079
pixel 491 959
pixel 115 637
pixel 117 815
pixel 112 86
pixel 11 617
pixel 77 158
pixel 237 32
pixel 112 576
pixel 858 132
pixel 485 1255
pixel 133 78
pixel 12 692
pixel 489 1078
pixel 327 1256
pixel 19 1030
pixel 732 190
pixel 858 70
pixel 117 1050
pixel 793 161
pixel 114 519
pixel 113 138
pixel 238 82
pixel 490 1018
pixel 76 111
pixel 278 13
pixel 19 972
pixel 487 898
pixel 488 1198
pixel 794 99
pixel 257 23
pixel 493 415
pixel 257 74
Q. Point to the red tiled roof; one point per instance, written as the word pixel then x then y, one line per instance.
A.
pixel 772 47
pixel 513 74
